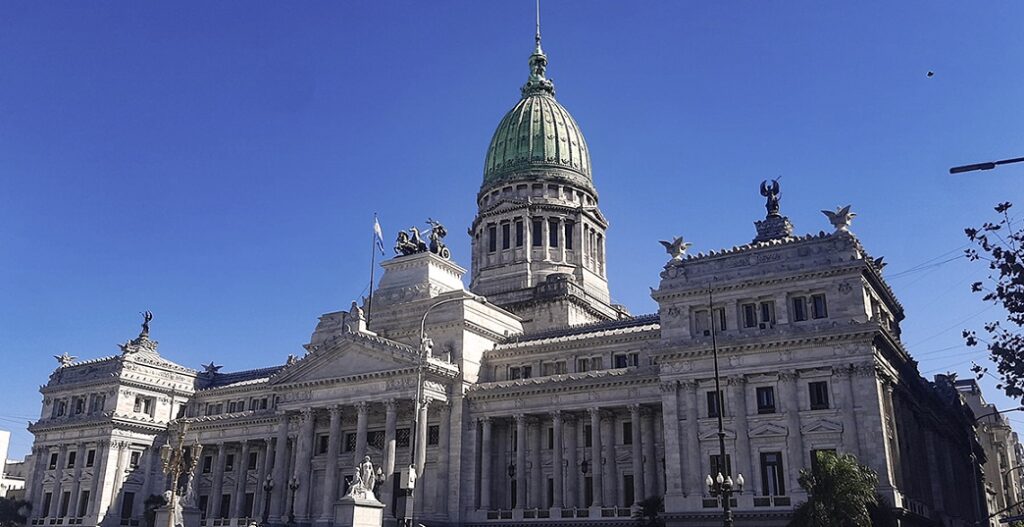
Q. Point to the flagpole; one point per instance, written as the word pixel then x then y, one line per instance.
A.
pixel 373 269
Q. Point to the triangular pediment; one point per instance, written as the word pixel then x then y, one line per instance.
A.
pixel 823 426
pixel 712 433
pixel 768 430
pixel 348 355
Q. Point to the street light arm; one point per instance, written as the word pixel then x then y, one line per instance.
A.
pixel 989 165
pixel 997 412
pixel 423 319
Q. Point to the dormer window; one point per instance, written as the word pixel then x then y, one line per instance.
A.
pixel 520 372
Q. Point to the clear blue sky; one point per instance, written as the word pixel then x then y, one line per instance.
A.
pixel 219 163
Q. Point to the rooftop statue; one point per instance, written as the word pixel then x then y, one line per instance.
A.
pixel 65 359
pixel 411 241
pixel 676 248
pixel 771 192
pixel 840 218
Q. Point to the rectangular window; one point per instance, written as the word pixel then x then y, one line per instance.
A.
pixel 225 505
pixel 71 459
pixel 323 443
pixel 720 319
pixel 627 488
pixel 253 460
pixel 701 323
pixel 768 312
pixel 53 461
pixel 596 363
pixel 621 361
pixel 772 481
pixel 582 365
pixel 588 436
pixel 799 309
pixel 553 233
pixel 204 502
pixel 749 315
pixel 765 400
pixel 402 438
pixel 83 503
pixel 133 459
pixel 433 435
pixel 551 492
pixel 506 235
pixel 90 458
pixel 492 238
pixel 375 439
pixel 627 433
pixel 250 500
pixel 519 233
pixel 47 501
pixel 819 394
pixel 570 227
pixel 819 309
pixel 127 505
pixel 551 438
pixel 538 233
pixel 718 468
pixel 350 442
pixel 65 500
pixel 588 490
pixel 207 464
pixel 527 371
pixel 713 403
pixel 232 408
pixel 138 405
pixel 229 463
pixel 79 405
pixel 514 372
pixel 263 403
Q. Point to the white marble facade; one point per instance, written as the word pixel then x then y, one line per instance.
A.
pixel 547 404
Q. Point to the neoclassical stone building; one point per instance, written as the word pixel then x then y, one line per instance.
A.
pixel 546 403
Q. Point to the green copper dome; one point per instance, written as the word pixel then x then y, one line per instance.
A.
pixel 538 134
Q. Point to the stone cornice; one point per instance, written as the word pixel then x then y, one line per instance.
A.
pixel 643 334
pixel 255 385
pixel 591 212
pixel 249 417
pixel 690 348
pixel 569 382
pixel 700 289
pixel 430 367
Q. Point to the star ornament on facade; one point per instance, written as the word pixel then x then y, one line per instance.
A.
pixel 211 368
pixel 65 359
pixel 676 248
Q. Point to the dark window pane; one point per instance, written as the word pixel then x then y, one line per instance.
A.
pixel 506 238
pixel 765 400
pixel 819 394
pixel 818 306
pixel 570 227
pixel 492 238
pixel 553 233
pixel 538 233
pixel 519 233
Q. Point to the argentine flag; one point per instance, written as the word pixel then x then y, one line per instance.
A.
pixel 378 236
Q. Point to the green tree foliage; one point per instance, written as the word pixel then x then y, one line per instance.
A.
pixel 841 493
pixel 1000 244
pixel 14 513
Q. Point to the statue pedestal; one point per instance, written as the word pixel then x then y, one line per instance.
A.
pixel 355 511
pixel 190 517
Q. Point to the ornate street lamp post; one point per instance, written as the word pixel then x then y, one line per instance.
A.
pixel 176 461
pixel 268 486
pixel 425 345
pixel 293 485
pixel 721 486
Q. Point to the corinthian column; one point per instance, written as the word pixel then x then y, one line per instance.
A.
pixel 303 467
pixel 241 477
pixel 520 461
pixel 331 467
pixel 557 470
pixel 795 440
pixel 362 408
pixel 595 455
pixel 277 498
pixel 486 462
pixel 571 460
pixel 390 424
pixel 218 481
pixel 637 454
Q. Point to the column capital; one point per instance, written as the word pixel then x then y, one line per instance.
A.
pixel 788 375
pixel 362 407
pixel 669 386
pixel 390 405
pixel 335 411
pixel 556 415
pixel 736 380
pixel 484 419
pixel 634 408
